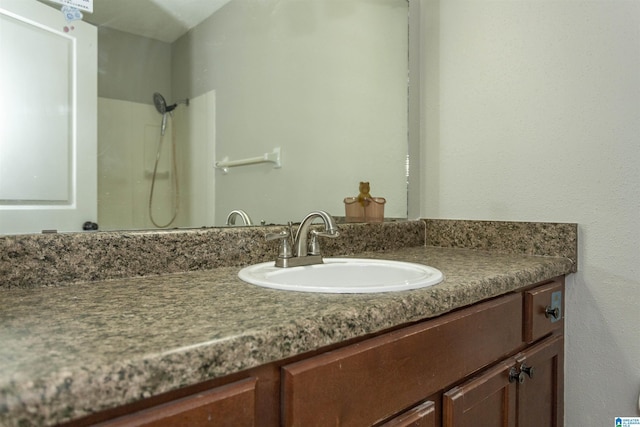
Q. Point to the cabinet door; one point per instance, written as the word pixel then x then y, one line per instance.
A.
pixel 540 396
pixel 423 415
pixel 491 399
pixel 487 400
pixel 231 405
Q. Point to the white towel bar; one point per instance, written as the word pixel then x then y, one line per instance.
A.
pixel 273 157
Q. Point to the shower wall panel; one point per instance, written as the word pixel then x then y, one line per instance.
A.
pixel 128 141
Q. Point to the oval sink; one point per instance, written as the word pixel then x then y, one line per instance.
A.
pixel 344 275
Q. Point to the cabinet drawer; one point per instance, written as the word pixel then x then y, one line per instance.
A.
pixel 231 405
pixel 543 310
pixel 371 381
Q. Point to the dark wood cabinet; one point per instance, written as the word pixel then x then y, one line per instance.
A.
pixel 523 391
pixel 543 310
pixel 540 400
pixel 423 415
pixel 367 382
pixel 487 400
pixel 230 405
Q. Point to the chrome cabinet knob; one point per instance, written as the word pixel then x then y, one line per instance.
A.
pixel 527 370
pixel 515 375
pixel 553 312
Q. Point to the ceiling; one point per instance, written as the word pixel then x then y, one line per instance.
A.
pixel 163 20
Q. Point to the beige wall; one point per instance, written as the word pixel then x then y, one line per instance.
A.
pixel 312 82
pixel 531 111
pixel 131 67
pixel 324 81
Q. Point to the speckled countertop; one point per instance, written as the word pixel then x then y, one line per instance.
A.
pixel 65 354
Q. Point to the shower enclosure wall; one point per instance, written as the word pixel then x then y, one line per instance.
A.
pixel 128 138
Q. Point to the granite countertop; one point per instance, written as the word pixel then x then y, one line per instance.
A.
pixel 69 351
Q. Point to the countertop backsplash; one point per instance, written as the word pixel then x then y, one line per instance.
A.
pixel 525 238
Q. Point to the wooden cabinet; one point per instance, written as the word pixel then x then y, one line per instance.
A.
pixel 540 400
pixel 423 415
pixel 365 383
pixel 525 390
pixel 487 400
pixel 230 405
pixel 543 310
pixel 515 379
pixel 495 363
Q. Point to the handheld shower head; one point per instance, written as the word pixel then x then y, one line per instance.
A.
pixel 164 109
pixel 160 103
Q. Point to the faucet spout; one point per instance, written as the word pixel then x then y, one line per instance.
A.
pixel 301 245
pixel 238 213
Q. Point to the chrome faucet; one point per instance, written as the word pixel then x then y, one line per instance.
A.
pixel 304 252
pixel 300 246
pixel 231 218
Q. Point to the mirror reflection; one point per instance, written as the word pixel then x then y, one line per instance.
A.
pixel 270 108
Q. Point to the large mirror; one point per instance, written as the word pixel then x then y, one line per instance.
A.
pixel 310 94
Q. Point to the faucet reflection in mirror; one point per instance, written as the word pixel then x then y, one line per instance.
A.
pixel 305 251
pixel 238 213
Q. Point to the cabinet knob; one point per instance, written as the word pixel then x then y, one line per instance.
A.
pixel 515 375
pixel 552 312
pixel 527 370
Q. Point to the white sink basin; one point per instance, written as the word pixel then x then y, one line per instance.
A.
pixel 344 275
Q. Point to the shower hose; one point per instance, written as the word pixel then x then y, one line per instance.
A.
pixel 174 174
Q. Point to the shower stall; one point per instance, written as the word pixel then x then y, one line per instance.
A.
pixel 155 163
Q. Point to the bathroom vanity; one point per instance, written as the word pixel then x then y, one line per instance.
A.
pixel 203 346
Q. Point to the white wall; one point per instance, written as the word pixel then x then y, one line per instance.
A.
pixel 532 112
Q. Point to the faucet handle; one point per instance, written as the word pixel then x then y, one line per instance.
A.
pixel 284 234
pixel 333 233
pixel 285 246
pixel 314 245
